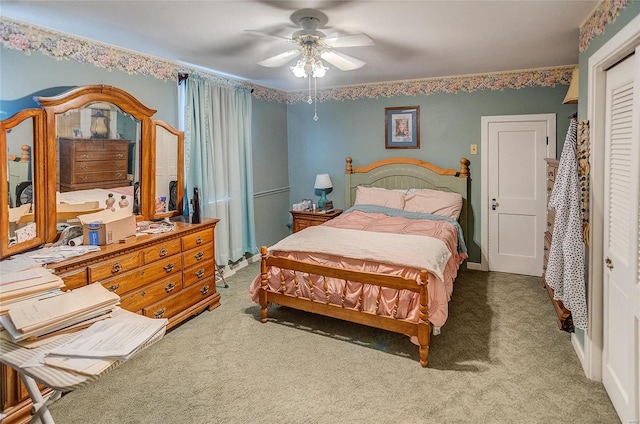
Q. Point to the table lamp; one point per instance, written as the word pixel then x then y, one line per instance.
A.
pixel 323 182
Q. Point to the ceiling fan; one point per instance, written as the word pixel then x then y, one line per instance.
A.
pixel 314 45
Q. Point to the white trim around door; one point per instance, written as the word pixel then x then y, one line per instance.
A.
pixel 550 119
pixel 617 48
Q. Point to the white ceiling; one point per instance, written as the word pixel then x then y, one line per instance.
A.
pixel 413 39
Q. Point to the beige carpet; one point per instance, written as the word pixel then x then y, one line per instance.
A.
pixel 500 359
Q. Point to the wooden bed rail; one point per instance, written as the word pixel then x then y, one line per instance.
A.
pixel 421 329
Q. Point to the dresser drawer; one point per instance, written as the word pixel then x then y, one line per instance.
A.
pixel 146 295
pixel 551 219
pixel 551 173
pixel 110 165
pixel 198 255
pixel 92 177
pixel 161 250
pixel 74 279
pixel 197 239
pixel 112 267
pixel 124 283
pixel 198 273
pixel 177 303
pixel 101 155
pixel 163 268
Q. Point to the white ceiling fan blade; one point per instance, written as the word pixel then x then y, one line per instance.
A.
pixel 267 35
pixel 355 40
pixel 279 59
pixel 342 61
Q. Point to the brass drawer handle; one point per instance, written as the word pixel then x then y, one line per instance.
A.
pixel 199 273
pixel 113 287
pixel 116 268
pixel 199 256
pixel 119 165
pixel 159 313
pixel 120 156
pixel 83 177
pixel 163 252
pixel 204 290
pixel 119 174
pixel 85 156
pixel 169 267
pixel 83 167
pixel 198 240
pixel 169 287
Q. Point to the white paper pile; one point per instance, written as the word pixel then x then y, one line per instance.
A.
pixel 67 311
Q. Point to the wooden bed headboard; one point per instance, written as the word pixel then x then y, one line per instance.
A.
pixel 406 173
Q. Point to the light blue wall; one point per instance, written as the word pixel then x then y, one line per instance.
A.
pixel 449 124
pixel 23 76
pixel 271 177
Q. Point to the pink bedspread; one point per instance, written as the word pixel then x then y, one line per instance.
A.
pixel 439 291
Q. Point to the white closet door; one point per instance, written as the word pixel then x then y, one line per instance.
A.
pixel 621 285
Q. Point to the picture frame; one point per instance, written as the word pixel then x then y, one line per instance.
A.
pixel 402 127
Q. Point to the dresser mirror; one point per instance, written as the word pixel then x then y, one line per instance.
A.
pixel 22 155
pixel 168 184
pixel 98 165
pixel 102 139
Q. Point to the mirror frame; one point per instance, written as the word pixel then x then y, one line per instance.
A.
pixel 75 99
pixel 180 197
pixel 39 178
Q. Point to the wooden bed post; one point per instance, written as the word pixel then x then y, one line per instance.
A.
pixel 464 168
pixel 263 284
pixel 424 327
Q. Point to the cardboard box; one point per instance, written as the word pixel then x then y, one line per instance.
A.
pixel 112 226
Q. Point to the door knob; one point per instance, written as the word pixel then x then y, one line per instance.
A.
pixel 608 263
pixel 494 204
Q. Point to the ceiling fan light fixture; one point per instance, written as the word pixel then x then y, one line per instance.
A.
pixel 308 67
pixel 319 70
pixel 299 70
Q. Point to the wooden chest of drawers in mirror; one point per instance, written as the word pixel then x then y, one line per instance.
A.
pixel 87 163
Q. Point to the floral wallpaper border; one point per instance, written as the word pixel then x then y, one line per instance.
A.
pixel 544 77
pixel 28 38
pixel 604 14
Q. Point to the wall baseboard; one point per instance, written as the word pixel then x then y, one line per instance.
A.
pixel 474 266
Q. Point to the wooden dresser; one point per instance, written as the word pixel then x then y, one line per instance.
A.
pixel 565 322
pixel 304 219
pixel 93 163
pixel 168 275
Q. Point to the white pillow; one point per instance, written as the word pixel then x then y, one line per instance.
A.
pixel 434 201
pixel 379 197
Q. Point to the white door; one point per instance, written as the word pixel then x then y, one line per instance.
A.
pixel 516 197
pixel 621 285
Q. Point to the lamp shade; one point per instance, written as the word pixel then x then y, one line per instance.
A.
pixel 323 182
pixel 572 93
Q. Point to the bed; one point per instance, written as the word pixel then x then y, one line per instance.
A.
pixel 373 265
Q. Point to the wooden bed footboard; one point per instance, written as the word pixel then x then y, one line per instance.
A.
pixel 420 329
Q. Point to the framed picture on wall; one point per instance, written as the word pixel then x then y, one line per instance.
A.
pixel 402 127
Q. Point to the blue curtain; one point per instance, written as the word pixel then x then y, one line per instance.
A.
pixel 217 126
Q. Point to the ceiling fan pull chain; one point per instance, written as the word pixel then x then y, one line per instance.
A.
pixel 315 99
pixel 309 99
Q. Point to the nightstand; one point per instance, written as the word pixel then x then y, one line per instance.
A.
pixel 304 219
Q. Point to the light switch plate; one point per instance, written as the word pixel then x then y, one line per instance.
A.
pixel 474 149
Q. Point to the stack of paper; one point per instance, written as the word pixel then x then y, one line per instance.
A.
pixel 68 311
pixel 104 343
pixel 27 284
